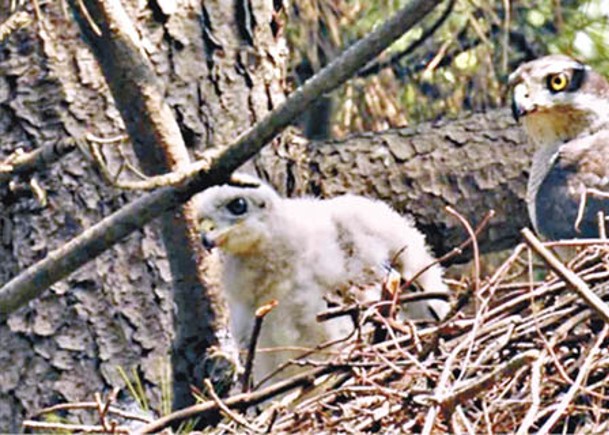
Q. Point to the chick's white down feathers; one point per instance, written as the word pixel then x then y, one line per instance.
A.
pixel 298 250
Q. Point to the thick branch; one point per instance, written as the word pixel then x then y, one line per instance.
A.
pixel 60 263
pixel 567 275
pixel 474 164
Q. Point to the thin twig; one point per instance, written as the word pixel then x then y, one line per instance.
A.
pixel 584 371
pixel 602 227
pixel 241 401
pixel 349 310
pixel 467 392
pixel 472 235
pixel 26 163
pixel 459 249
pixel 261 313
pixel 226 410
pixel 91 405
pixel 71 428
pixel 308 352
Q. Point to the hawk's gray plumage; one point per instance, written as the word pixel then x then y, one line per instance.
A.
pixel 564 107
pixel 299 250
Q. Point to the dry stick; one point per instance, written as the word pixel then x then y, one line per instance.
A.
pixel 531 415
pixel 443 382
pixel 308 352
pixel 261 313
pixel 570 277
pixel 486 382
pixel 226 410
pixel 472 236
pixel 441 386
pixel 583 199
pixel 103 407
pixel 241 401
pixel 583 372
pixel 390 291
pixel 37 159
pixel 70 428
pixel 97 239
pixel 101 411
pixel 91 405
pixel 354 308
pixel 459 249
pixel 479 309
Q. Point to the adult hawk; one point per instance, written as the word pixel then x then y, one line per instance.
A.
pixel 564 107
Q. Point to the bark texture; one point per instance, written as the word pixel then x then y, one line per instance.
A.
pixel 474 164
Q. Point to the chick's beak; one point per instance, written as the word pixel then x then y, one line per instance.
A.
pixel 206 226
pixel 207 242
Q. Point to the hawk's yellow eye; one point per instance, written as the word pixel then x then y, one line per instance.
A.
pixel 558 82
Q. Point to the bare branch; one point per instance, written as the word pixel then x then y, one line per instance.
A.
pixel 37 159
pixel 70 428
pixel 486 382
pixel 227 411
pixel 584 372
pixel 261 313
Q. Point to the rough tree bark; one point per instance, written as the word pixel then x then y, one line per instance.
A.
pixel 160 148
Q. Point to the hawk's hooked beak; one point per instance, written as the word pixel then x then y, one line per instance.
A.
pixel 521 103
pixel 517 110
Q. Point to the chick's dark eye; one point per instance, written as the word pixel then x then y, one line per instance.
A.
pixel 237 206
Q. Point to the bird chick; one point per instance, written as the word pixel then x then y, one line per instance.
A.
pixel 297 251
pixel 564 108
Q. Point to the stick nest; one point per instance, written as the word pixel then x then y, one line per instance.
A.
pixel 524 350
pixel 526 353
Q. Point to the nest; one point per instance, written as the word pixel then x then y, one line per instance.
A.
pixel 524 350
pixel 529 354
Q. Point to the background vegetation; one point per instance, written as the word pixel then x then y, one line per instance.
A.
pixel 463 65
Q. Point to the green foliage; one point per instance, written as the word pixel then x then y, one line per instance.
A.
pixel 463 65
pixel 135 387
